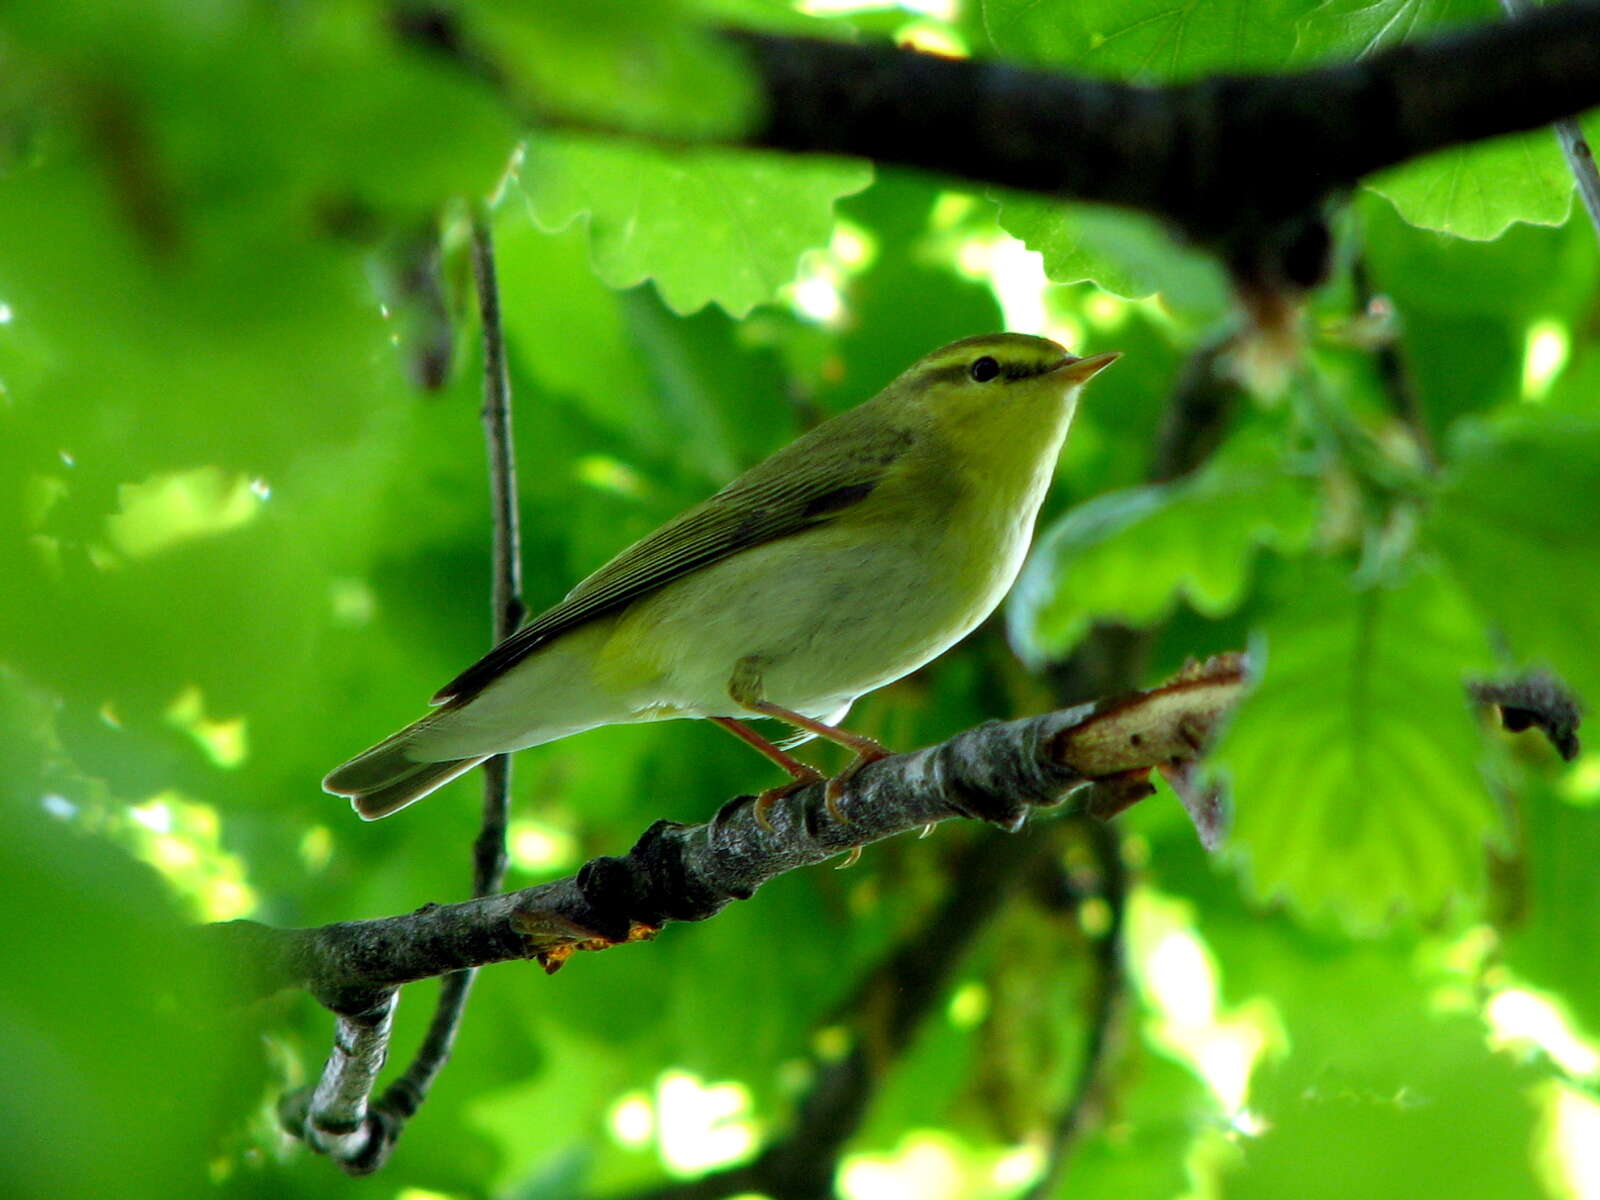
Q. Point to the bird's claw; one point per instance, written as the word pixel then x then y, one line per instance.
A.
pixel 772 795
pixel 832 794
pixel 836 786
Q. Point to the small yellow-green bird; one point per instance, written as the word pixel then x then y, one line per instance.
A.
pixel 848 559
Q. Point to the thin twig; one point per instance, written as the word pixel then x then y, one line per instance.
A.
pixel 1580 159
pixel 407 1093
pixel 363 1138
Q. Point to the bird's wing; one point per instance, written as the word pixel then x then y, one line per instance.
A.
pixel 810 482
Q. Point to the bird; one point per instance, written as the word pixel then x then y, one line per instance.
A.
pixel 843 562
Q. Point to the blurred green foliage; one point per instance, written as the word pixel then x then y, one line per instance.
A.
pixel 238 542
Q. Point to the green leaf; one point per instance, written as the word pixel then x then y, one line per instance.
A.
pixel 1472 191
pixel 1357 28
pixel 1477 191
pixel 1516 522
pixel 1528 272
pixel 706 225
pixel 1354 762
pixel 1162 1111
pixel 619 64
pixel 130 1040
pixel 1156 39
pixel 551 303
pixel 1550 935
pixel 1125 253
pixel 1378 1096
pixel 1132 555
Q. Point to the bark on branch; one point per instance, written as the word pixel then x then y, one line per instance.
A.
pixel 1094 758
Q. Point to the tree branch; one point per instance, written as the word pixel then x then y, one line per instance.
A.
pixel 334 1117
pixel 1192 153
pixel 1096 757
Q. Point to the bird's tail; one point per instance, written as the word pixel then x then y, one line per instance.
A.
pixel 385 779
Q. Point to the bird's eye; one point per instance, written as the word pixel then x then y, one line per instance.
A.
pixel 985 369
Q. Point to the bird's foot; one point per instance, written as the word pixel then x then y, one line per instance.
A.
pixel 867 751
pixel 772 795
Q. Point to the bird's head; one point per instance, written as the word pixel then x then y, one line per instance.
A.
pixel 979 378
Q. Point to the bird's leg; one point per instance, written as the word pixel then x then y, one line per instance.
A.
pixel 802 774
pixel 746 690
pixel 867 750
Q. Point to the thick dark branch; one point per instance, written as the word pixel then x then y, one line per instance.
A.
pixel 1242 164
pixel 997 772
pixel 1198 153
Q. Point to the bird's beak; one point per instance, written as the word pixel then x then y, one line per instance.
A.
pixel 1081 370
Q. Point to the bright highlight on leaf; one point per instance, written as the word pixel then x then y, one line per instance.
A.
pixel 1519 1017
pixel 933 1165
pixel 942 10
pixel 182 839
pixel 1582 782
pixel 1180 978
pixel 167 510
pixel 1126 254
pixel 608 474
pixel 225 742
pixel 316 847
pixel 536 845
pixel 1572 1153
pixel 700 1126
pixel 1547 348
pixel 352 601
pixel 632 1121
pixel 928 38
pixel 1015 275
pixel 969 1004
